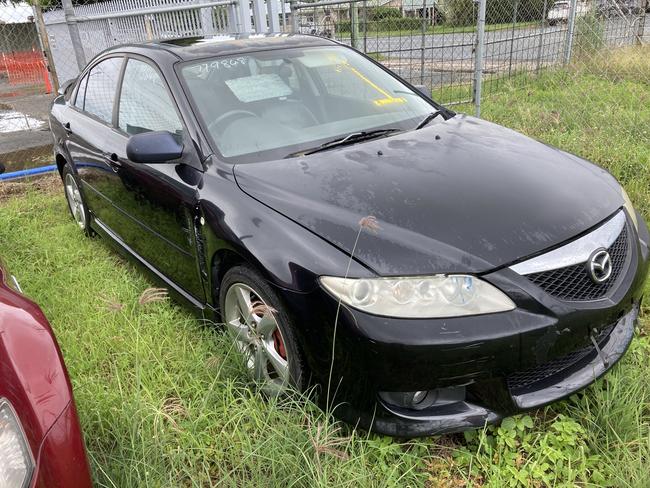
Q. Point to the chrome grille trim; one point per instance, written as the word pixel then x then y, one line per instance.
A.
pixel 575 252
pixel 573 283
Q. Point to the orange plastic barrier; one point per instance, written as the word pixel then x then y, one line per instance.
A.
pixel 27 68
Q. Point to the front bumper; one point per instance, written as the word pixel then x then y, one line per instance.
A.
pixel 467 415
pixel 507 362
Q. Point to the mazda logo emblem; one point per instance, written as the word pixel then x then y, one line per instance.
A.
pixel 599 266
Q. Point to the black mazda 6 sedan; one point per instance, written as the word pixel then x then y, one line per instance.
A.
pixel 423 271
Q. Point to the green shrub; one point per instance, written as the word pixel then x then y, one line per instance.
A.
pixel 380 13
pixel 464 12
pixel 460 12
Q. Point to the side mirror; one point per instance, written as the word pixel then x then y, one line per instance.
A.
pixel 66 86
pixel 153 147
pixel 423 90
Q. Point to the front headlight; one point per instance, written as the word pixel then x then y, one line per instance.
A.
pixel 16 464
pixel 630 208
pixel 419 297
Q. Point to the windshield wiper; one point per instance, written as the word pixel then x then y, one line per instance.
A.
pixel 343 141
pixel 430 117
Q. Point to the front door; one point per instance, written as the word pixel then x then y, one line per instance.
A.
pixel 156 201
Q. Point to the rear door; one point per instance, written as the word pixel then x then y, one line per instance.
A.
pixel 88 124
pixel 156 202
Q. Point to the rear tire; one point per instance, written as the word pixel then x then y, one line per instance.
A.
pixel 262 330
pixel 76 202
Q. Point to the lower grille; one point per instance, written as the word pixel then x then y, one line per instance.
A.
pixel 525 379
pixel 573 283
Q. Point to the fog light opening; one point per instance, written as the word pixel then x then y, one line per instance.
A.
pixel 418 397
pixel 420 400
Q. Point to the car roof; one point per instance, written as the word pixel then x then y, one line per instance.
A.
pixel 190 48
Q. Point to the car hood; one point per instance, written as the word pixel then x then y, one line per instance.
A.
pixel 462 195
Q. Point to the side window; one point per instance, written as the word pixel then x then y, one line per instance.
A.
pixel 81 94
pixel 145 104
pixel 100 90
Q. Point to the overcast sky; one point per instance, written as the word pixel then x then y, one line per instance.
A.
pixel 18 13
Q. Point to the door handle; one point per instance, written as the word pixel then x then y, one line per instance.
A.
pixel 113 161
pixel 66 128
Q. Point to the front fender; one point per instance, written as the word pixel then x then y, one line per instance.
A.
pixel 289 255
pixel 33 377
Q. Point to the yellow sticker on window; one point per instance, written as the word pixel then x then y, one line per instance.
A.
pixel 387 101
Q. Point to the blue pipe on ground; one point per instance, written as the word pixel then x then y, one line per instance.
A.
pixel 23 173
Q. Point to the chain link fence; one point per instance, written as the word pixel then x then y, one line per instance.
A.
pixel 26 88
pixel 452 47
pixel 464 51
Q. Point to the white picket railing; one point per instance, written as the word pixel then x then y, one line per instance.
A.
pixel 104 24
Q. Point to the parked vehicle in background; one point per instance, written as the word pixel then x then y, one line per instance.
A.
pixel 310 28
pixel 619 8
pixel 425 271
pixel 41 444
pixel 560 11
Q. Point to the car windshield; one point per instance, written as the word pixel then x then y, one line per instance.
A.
pixel 271 104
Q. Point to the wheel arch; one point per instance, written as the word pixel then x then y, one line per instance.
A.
pixel 221 261
pixel 61 161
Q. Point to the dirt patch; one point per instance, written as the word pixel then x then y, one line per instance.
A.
pixel 49 184
pixel 27 158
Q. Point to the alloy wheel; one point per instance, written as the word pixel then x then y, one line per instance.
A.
pixel 75 202
pixel 254 327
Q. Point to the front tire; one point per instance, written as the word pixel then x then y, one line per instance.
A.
pixel 262 331
pixel 76 203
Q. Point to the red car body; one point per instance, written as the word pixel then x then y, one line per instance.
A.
pixel 35 383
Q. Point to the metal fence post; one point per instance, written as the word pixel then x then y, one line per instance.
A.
pixel 45 45
pixel 354 25
pixel 423 39
pixel 274 16
pixel 365 26
pixel 478 56
pixel 541 38
pixel 71 21
pixel 570 29
pixel 512 36
pixel 293 5
pixel 642 20
pixel 259 15
pixel 233 22
pixel 283 5
pixel 244 25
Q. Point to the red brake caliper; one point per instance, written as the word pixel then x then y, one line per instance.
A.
pixel 278 343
